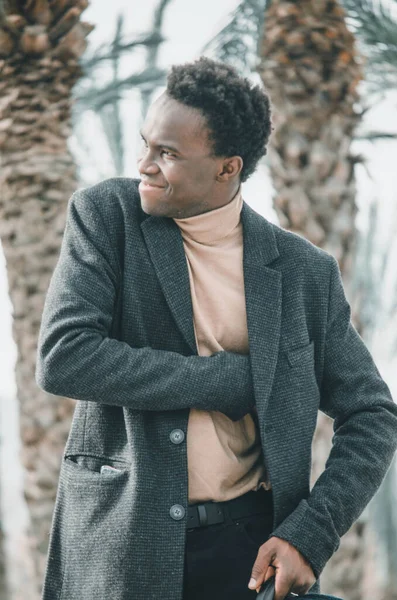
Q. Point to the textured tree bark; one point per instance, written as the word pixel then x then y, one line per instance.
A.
pixel 310 68
pixel 40 44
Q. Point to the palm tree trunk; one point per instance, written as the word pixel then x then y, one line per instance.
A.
pixel 310 68
pixel 40 44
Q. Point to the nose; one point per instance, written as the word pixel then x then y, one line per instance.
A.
pixel 146 164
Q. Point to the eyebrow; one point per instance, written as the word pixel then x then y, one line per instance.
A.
pixel 163 145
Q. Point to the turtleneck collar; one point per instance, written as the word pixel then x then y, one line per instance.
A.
pixel 210 227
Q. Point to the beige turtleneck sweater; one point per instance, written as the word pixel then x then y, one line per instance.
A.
pixel 225 458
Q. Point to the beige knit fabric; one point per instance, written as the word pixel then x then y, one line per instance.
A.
pixel 225 458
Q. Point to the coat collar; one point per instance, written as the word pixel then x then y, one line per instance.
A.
pixel 262 289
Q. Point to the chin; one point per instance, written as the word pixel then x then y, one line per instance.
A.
pixel 154 209
pixel 154 201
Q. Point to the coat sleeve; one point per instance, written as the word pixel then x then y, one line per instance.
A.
pixel 76 357
pixel 365 438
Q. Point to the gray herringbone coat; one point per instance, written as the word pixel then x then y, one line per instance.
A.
pixel 117 334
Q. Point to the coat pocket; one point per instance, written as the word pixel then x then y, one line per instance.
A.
pixel 299 376
pixel 84 468
pixel 295 356
pixel 97 504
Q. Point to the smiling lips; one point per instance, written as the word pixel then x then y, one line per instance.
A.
pixel 146 184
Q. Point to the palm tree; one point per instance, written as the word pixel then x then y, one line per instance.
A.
pixel 311 69
pixel 41 42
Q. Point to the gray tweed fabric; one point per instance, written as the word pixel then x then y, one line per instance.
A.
pixel 117 335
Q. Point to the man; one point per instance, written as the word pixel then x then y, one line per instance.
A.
pixel 200 341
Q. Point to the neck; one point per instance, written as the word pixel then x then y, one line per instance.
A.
pixel 223 199
pixel 209 228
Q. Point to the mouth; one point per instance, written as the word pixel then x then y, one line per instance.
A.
pixel 150 186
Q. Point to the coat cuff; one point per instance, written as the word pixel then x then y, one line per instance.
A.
pixel 310 533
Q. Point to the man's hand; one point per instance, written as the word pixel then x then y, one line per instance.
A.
pixel 293 572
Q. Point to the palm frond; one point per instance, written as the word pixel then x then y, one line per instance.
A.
pixel 110 114
pixel 95 98
pixel 238 41
pixel 107 52
pixel 89 95
pixel 374 23
pixel 373 136
pixel 152 53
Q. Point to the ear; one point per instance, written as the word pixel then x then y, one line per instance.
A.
pixel 230 168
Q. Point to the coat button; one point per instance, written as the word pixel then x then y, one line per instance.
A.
pixel 177 436
pixel 177 512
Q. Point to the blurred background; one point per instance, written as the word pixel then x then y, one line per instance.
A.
pixel 76 81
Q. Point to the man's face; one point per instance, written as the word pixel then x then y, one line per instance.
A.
pixel 177 170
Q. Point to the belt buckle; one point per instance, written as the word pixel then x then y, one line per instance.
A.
pixel 205 514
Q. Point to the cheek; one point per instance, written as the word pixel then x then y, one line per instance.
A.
pixel 191 178
pixel 171 172
pixel 196 181
pixel 177 177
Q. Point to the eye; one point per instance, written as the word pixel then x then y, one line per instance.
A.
pixel 168 153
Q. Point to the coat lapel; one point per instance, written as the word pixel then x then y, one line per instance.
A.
pixel 262 290
pixel 165 245
pixel 263 302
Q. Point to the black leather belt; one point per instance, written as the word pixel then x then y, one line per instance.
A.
pixel 211 513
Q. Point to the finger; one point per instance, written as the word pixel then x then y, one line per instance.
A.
pixel 283 584
pixel 263 560
pixel 257 575
pixel 269 573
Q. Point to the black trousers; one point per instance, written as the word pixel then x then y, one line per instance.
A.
pixel 219 558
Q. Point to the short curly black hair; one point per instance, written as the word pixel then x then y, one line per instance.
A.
pixel 236 110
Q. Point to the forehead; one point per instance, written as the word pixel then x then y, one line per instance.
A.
pixel 173 123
